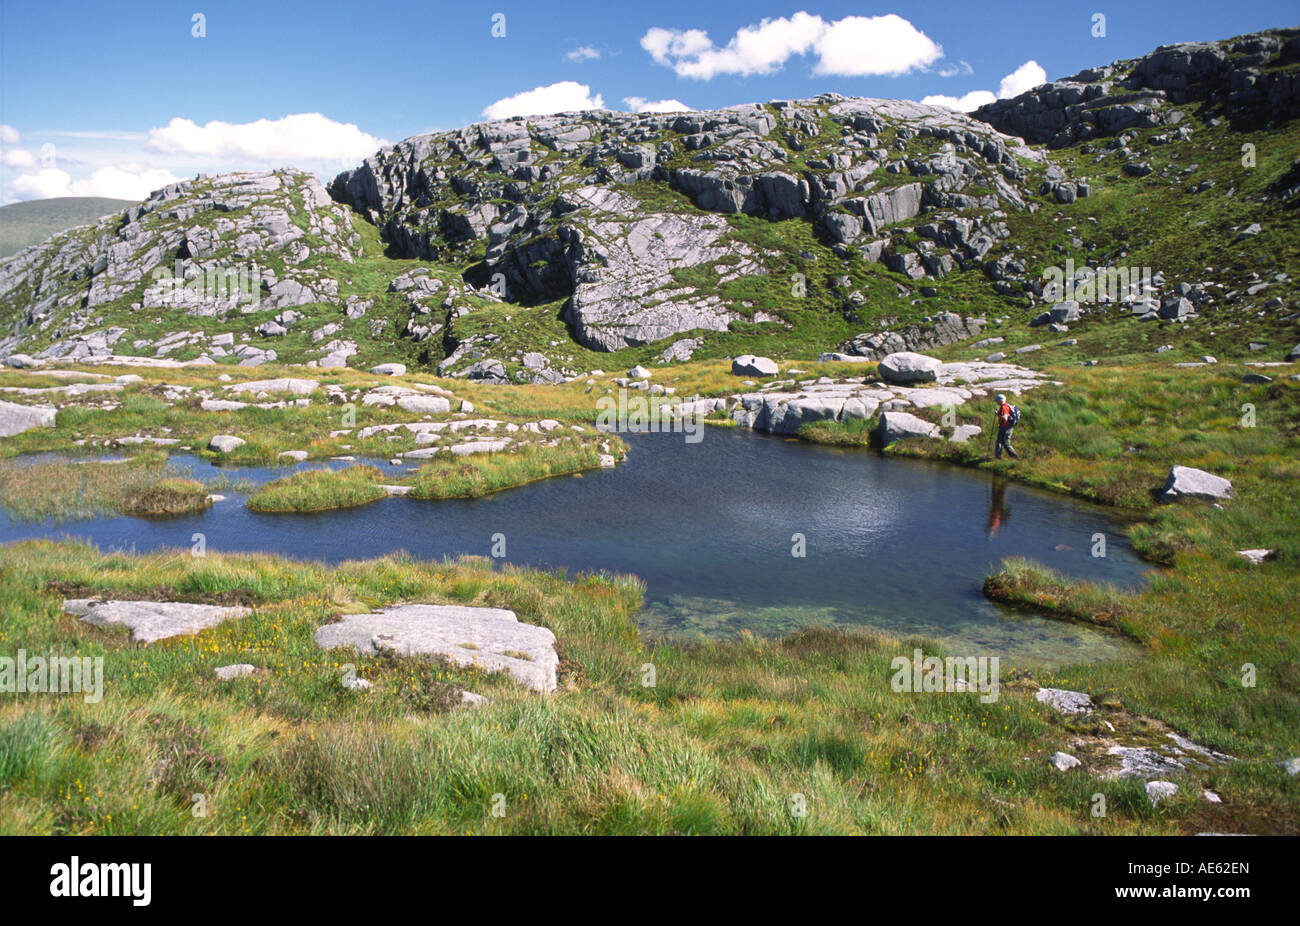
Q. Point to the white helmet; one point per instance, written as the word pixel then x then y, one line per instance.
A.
pixel 1001 398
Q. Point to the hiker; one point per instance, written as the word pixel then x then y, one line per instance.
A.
pixel 1008 418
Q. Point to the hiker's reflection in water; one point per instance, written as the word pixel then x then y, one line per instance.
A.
pixel 999 513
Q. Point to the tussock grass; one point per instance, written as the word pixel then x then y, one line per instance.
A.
pixel 320 490
pixel 480 474
pixel 1026 584
pixel 69 491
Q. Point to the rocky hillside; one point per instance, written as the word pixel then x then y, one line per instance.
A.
pixel 531 250
pixel 1252 80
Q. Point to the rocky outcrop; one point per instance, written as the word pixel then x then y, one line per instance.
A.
pixel 1245 77
pixel 490 639
pixel 199 248
pixel 929 333
pixel 551 204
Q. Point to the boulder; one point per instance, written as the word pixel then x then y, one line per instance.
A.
pixel 1063 761
pixel 284 384
pixel 150 621
pixel 905 367
pixel 424 404
pixel 896 425
pixel 238 670
pixel 1187 482
pixel 15 418
pixel 491 639
pixel 1258 556
pixel 389 369
pixel 1159 790
pixel 225 443
pixel 1065 312
pixel 1064 701
pixel 750 365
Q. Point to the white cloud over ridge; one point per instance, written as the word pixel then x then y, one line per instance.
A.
pixel 854 46
pixel 565 96
pixel 1026 77
pixel 289 140
pixel 111 182
pixel 639 104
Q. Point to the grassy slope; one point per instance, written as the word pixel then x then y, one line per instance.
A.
pixel 28 223
pixel 728 734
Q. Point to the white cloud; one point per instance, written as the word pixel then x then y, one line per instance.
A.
pixel 9 135
pixel 853 46
pixel 18 157
pixel 566 96
pixel 289 140
pixel 965 103
pixel 857 46
pixel 952 70
pixel 113 182
pixel 639 104
pixel 583 53
pixel 1026 77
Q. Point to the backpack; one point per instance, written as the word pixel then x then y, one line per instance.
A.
pixel 1015 416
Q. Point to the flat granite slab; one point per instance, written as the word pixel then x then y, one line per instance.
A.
pixel 151 621
pixel 492 639
pixel 15 418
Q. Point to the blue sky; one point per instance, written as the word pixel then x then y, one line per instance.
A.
pixel 99 99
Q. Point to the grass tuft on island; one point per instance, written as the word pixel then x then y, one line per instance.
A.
pixel 1025 584
pixel 66 491
pixel 481 474
pixel 320 490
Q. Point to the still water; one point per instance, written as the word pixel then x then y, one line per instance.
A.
pixel 898 545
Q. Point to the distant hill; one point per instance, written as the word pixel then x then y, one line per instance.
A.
pixel 24 224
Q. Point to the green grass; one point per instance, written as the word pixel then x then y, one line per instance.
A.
pixel 63 491
pixel 320 490
pixel 482 474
